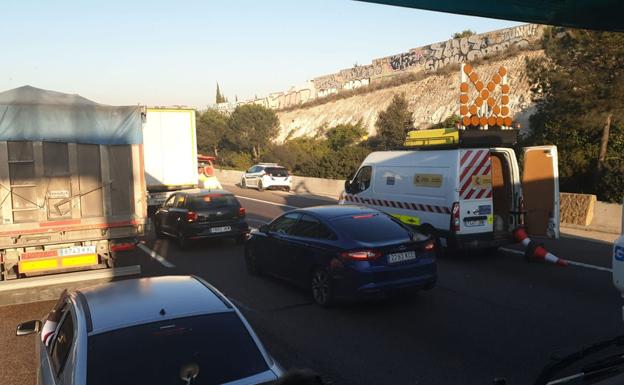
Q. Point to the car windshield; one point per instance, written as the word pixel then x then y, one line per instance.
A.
pixel 211 201
pixel 276 171
pixel 218 346
pixel 370 228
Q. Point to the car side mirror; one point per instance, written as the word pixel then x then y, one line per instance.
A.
pixel 264 229
pixel 28 327
pixel 347 186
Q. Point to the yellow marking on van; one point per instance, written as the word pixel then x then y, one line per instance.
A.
pixel 428 180
pixel 490 219
pixel 35 265
pixel 482 181
pixel 80 260
pixel 407 219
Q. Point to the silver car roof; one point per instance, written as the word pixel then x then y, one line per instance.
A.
pixel 138 301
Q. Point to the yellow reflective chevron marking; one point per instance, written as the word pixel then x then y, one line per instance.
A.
pixel 407 219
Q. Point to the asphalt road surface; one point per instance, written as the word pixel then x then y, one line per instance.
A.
pixel 490 315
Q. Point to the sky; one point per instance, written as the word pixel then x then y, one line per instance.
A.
pixel 167 53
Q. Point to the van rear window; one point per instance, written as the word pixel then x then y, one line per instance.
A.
pixel 276 171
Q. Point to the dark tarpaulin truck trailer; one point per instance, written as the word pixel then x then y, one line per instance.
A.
pixel 71 182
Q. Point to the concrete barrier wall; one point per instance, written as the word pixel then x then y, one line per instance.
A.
pixel 576 209
pixel 300 185
pixel 607 217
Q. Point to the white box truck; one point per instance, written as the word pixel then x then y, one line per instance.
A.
pixel 470 195
pixel 170 153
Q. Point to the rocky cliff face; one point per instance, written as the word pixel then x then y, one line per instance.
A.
pixel 432 100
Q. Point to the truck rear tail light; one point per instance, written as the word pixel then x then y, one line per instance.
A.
pixel 241 212
pixel 191 216
pixel 122 247
pixel 360 255
pixel 455 220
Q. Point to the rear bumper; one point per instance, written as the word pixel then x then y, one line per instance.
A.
pixel 477 241
pixel 268 183
pixel 370 282
pixel 202 230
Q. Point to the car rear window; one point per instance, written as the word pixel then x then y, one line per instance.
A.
pixel 370 227
pixel 211 201
pixel 276 171
pixel 218 345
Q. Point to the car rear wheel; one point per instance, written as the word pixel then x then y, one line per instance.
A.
pixel 243 183
pixel 183 241
pixel 260 186
pixel 251 261
pixel 321 287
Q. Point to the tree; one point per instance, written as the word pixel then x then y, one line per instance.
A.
pixel 393 125
pixel 464 33
pixel 211 128
pixel 252 127
pixel 219 98
pixel 344 135
pixel 579 92
pixel 450 122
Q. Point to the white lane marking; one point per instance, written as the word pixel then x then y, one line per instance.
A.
pixel 271 203
pixel 575 263
pixel 156 256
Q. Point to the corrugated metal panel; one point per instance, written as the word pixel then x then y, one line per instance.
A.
pixel 122 190
pixel 90 180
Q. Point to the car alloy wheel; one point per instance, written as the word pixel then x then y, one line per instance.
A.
pixel 321 287
pixel 243 183
pixel 260 186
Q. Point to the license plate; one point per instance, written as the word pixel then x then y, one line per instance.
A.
pixel 223 229
pixel 76 250
pixel 473 223
pixel 400 257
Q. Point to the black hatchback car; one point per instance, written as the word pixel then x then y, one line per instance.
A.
pixel 343 252
pixel 197 214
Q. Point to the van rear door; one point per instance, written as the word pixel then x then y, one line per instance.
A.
pixel 475 191
pixel 540 189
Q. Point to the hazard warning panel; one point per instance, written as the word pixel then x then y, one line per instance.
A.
pixel 475 174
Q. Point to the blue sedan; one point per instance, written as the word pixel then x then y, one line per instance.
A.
pixel 343 252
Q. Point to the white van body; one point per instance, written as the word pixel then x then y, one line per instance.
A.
pixel 423 187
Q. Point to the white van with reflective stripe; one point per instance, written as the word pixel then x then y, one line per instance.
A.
pixel 468 197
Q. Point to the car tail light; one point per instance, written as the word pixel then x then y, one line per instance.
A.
pixel 241 212
pixel 521 211
pixel 455 222
pixel 360 255
pixel 191 216
pixel 429 246
pixel 122 247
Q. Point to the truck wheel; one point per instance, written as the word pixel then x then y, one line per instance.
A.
pixel 260 186
pixel 158 231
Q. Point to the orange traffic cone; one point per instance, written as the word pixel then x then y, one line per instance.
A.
pixel 533 250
